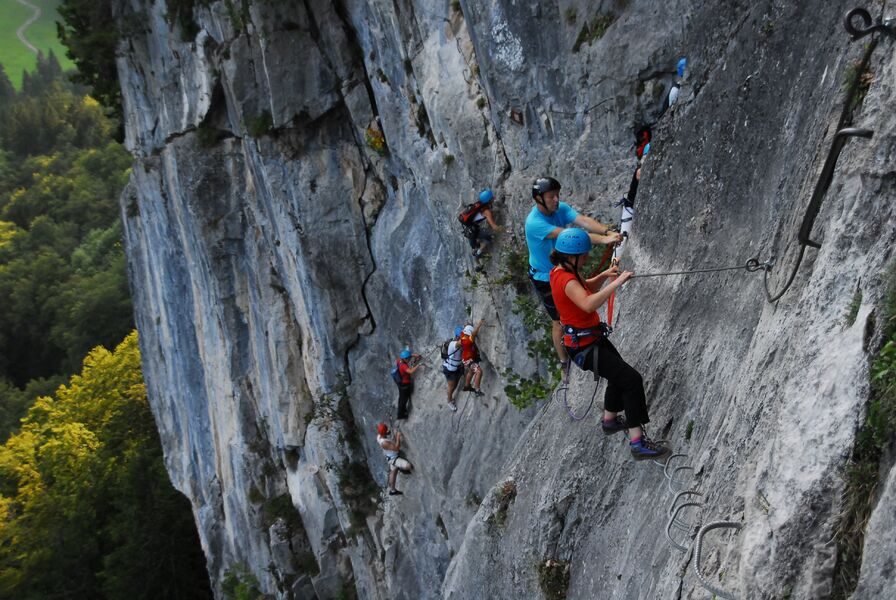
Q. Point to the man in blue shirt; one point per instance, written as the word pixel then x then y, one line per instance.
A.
pixel 547 219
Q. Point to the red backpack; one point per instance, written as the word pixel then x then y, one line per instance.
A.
pixel 469 213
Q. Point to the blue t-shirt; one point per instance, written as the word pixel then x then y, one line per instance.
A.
pixel 538 227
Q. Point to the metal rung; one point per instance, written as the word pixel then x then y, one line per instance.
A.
pixel 681 495
pixel 669 462
pixel 674 481
pixel 672 521
pixel 697 549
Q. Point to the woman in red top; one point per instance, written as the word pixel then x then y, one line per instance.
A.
pixel 470 356
pixel 577 300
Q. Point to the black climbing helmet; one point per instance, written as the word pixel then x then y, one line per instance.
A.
pixel 543 185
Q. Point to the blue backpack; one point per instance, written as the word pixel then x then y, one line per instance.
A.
pixel 396 374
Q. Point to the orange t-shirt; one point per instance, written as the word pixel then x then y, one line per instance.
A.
pixel 570 314
pixel 468 346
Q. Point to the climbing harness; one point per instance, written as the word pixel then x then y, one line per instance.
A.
pixel 571 336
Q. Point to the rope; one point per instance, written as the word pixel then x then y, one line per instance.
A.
pixel 751 266
pixel 569 411
pixel 458 415
pixel 564 388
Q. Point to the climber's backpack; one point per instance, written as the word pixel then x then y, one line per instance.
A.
pixel 469 213
pixel 444 348
pixel 396 374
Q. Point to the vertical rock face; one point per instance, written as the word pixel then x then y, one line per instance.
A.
pixel 291 224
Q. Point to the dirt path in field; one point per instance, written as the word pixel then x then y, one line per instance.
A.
pixel 20 32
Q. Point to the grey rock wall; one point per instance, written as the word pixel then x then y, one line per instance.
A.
pixel 279 262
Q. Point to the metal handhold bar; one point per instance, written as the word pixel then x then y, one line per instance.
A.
pixel 673 480
pixel 697 549
pixel 672 521
pixel 669 461
pixel 884 26
pixel 680 495
pixel 824 181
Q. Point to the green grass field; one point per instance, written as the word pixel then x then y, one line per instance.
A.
pixel 14 56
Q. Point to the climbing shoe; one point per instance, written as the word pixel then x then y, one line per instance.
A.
pixel 647 449
pixel 452 406
pixel 616 424
pixel 396 493
pixel 468 388
pixel 478 392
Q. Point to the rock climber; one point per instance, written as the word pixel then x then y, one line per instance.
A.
pixel 547 219
pixel 453 366
pixel 474 219
pixel 405 380
pixel 584 338
pixel 470 355
pixel 391 449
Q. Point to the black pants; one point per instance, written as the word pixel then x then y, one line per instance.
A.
pixel 404 400
pixel 625 386
pixel 476 234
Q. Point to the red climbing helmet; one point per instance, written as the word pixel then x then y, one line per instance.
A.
pixel 382 429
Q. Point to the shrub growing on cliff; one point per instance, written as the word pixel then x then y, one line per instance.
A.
pixel 857 80
pixel 359 492
pixel 593 31
pixel 260 124
pixel 521 391
pixel 873 440
pixel 375 140
pixel 553 577
pixel 281 508
pixel 504 497
pixel 239 584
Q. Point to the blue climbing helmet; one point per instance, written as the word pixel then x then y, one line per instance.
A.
pixel 405 354
pixel 573 241
pixel 458 330
pixel 681 66
pixel 486 196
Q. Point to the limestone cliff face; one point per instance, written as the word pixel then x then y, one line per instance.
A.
pixel 290 225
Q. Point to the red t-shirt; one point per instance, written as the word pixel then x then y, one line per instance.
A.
pixel 403 371
pixel 570 314
pixel 468 348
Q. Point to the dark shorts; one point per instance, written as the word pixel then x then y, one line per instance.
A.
pixel 477 233
pixel 453 375
pixel 543 288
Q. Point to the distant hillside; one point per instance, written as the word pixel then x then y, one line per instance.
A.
pixel 14 55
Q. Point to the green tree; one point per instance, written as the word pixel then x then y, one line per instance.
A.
pixel 7 91
pixel 89 32
pixel 86 507
pixel 62 270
